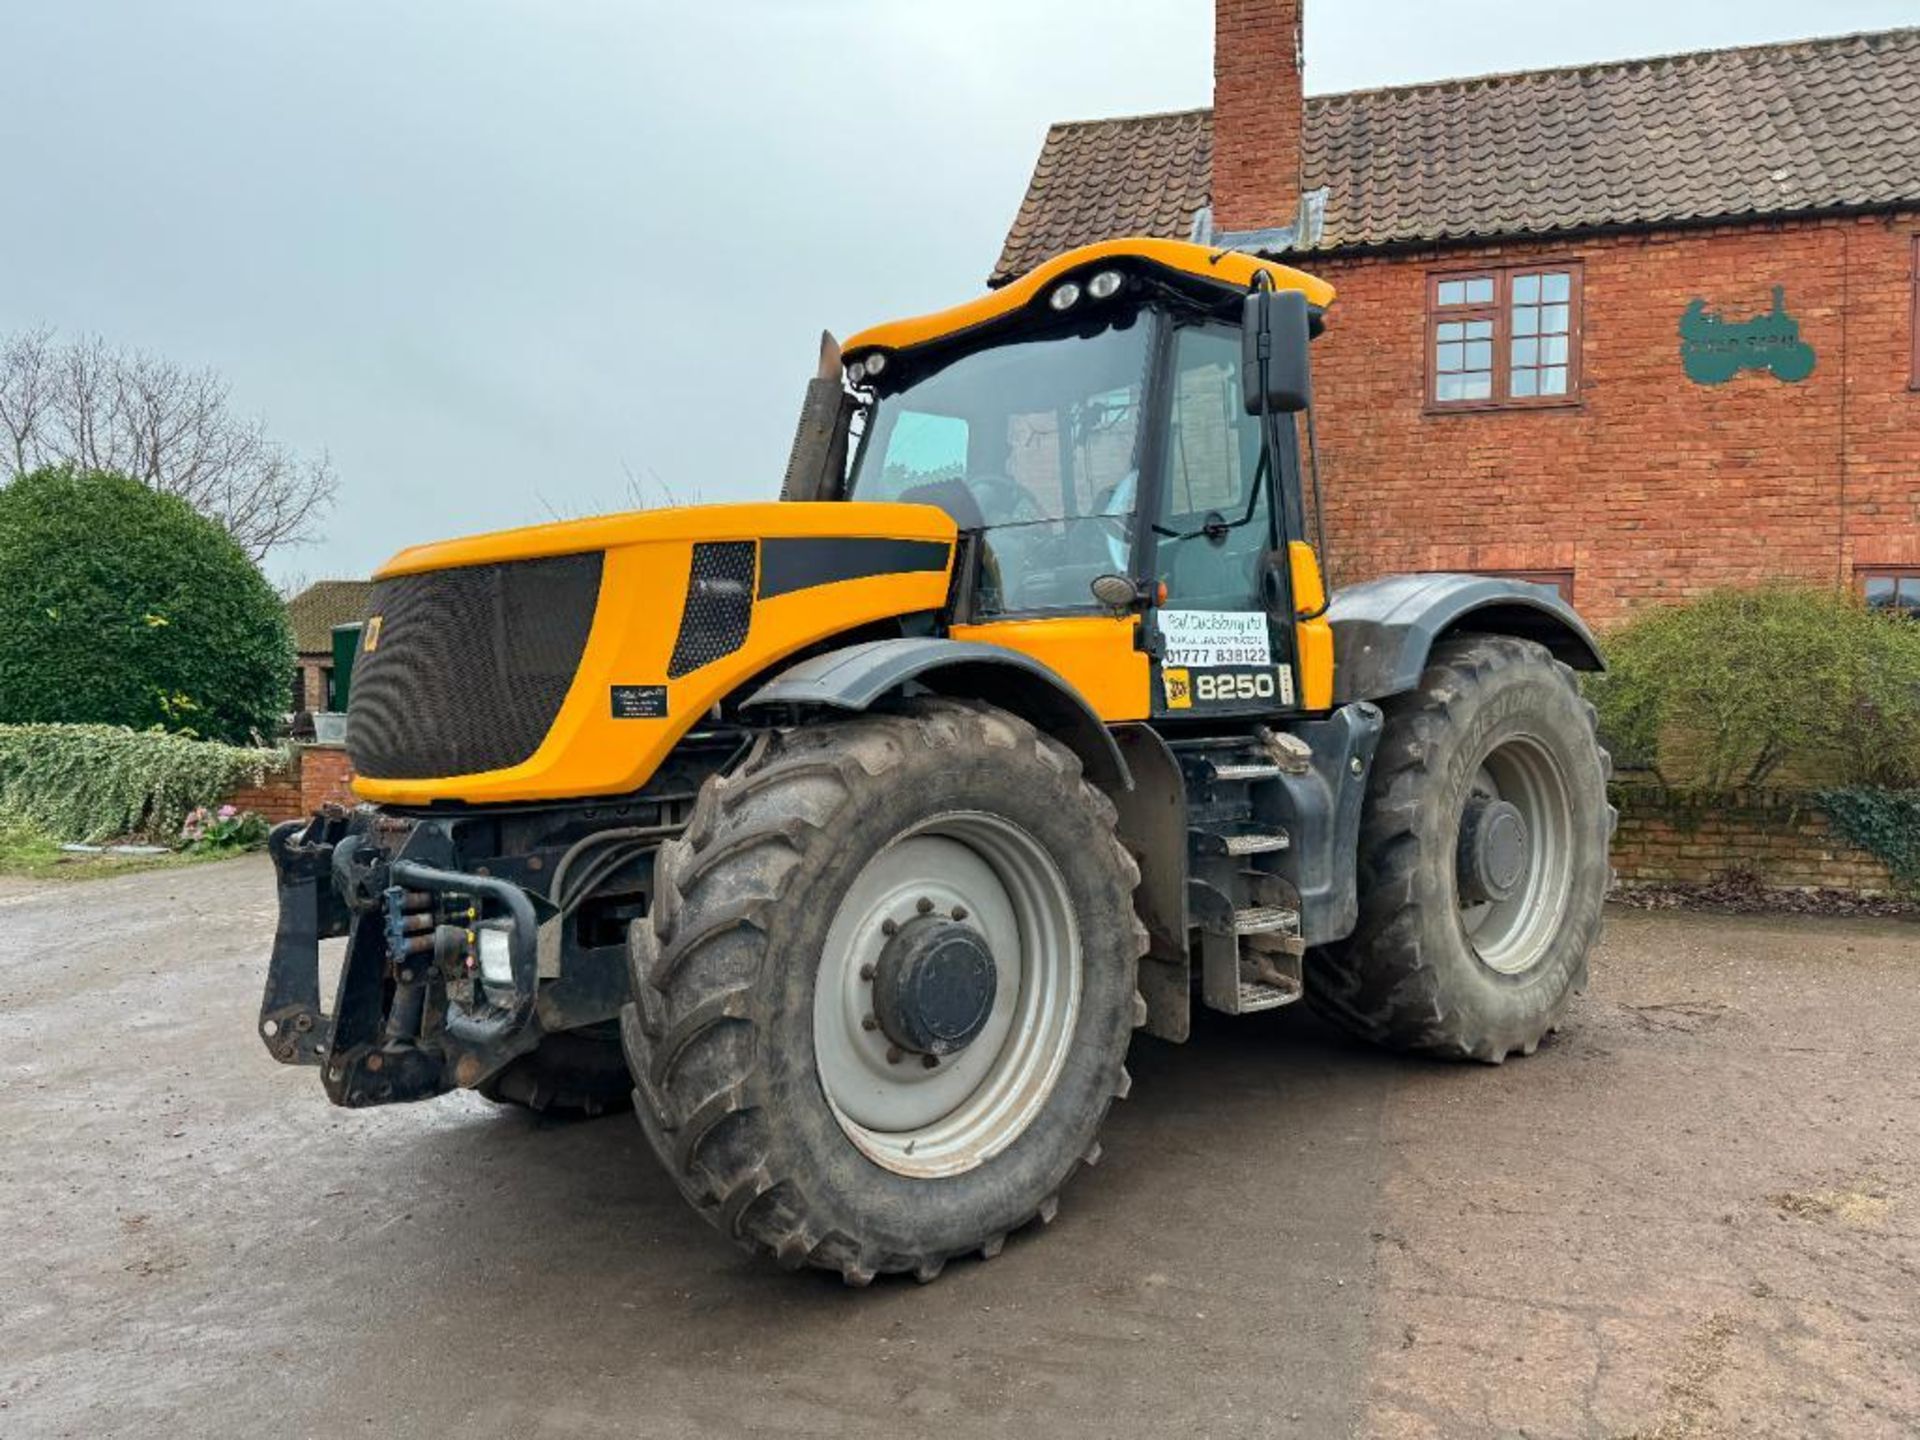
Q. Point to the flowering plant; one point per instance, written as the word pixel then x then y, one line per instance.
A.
pixel 227 828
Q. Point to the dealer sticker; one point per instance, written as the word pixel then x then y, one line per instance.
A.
pixel 1210 639
pixel 639 702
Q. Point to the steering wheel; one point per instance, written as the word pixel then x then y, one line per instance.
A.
pixel 1019 505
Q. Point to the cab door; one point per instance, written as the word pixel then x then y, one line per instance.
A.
pixel 1225 642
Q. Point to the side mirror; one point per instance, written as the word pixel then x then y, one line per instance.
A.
pixel 1274 331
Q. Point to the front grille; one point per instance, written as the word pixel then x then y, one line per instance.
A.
pixel 468 667
pixel 719 606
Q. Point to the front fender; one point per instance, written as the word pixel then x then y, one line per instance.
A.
pixel 1384 630
pixel 854 677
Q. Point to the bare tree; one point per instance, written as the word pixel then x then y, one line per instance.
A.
pixel 95 407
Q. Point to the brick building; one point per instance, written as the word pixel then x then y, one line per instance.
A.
pixel 312 614
pixel 1636 329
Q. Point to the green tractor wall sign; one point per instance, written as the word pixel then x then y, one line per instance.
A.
pixel 1713 349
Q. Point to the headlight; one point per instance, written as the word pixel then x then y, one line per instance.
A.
pixel 496 955
pixel 857 371
pixel 876 362
pixel 1066 297
pixel 1105 285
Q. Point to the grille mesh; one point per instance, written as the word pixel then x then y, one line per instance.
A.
pixel 471 666
pixel 719 606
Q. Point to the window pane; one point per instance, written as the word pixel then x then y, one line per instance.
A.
pixel 1478 329
pixel 1526 384
pixel 1910 592
pixel 1480 355
pixel 1447 387
pixel 1526 289
pixel 1452 331
pixel 1526 320
pixel 1450 357
pixel 1453 292
pixel 1881 591
pixel 1480 292
pixel 1553 320
pixel 1526 352
pixel 1476 387
pixel 1556 287
pixel 1553 350
pixel 1553 380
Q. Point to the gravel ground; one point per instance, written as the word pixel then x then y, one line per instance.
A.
pixel 1694 1213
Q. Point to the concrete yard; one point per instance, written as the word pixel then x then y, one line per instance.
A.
pixel 1696 1212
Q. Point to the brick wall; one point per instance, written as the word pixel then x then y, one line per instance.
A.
pixel 1782 838
pixel 319 775
pixel 1652 488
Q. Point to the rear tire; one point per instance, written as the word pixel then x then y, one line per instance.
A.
pixel 748 1080
pixel 1438 963
pixel 576 1072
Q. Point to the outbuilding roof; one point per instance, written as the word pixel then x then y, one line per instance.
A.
pixel 1808 126
pixel 322 605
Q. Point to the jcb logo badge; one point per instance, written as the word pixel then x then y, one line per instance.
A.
pixel 370 642
pixel 1179 689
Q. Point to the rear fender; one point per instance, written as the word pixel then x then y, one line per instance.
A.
pixel 1384 630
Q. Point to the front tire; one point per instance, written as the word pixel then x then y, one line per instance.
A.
pixel 808 1119
pixel 1483 859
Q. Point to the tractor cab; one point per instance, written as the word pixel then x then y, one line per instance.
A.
pixel 1101 436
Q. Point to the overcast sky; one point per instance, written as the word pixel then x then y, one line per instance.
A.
pixel 496 255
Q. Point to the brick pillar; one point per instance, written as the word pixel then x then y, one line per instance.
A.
pixel 1259 111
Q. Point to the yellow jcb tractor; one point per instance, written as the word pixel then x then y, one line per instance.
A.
pixel 853 835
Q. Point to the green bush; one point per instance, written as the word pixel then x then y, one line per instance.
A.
pixel 1739 686
pixel 100 782
pixel 122 606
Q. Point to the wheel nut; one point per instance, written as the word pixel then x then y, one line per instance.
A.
pixel 867 973
pixel 1357 765
pixel 889 927
pixel 959 912
pixel 930 1061
pixel 924 905
pixel 894 1054
pixel 869 1023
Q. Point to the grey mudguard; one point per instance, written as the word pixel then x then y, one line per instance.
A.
pixel 853 678
pixel 1383 630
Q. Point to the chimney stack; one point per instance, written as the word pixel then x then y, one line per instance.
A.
pixel 1259 113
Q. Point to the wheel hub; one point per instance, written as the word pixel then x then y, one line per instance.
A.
pixel 1495 851
pixel 934 986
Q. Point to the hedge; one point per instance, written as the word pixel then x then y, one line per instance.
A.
pixel 102 782
pixel 1777 683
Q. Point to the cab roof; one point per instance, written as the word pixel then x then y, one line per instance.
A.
pixel 1230 270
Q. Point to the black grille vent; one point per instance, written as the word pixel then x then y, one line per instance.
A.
pixel 470 666
pixel 719 606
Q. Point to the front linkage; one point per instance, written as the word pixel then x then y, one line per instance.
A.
pixel 472 935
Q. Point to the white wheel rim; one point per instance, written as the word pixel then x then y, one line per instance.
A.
pixel 946 1119
pixel 1512 935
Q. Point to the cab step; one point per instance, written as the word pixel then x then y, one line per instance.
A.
pixel 1257 844
pixel 1213 844
pixel 1243 771
pixel 1255 997
pixel 1266 920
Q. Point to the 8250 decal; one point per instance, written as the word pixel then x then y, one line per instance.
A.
pixel 1228 685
